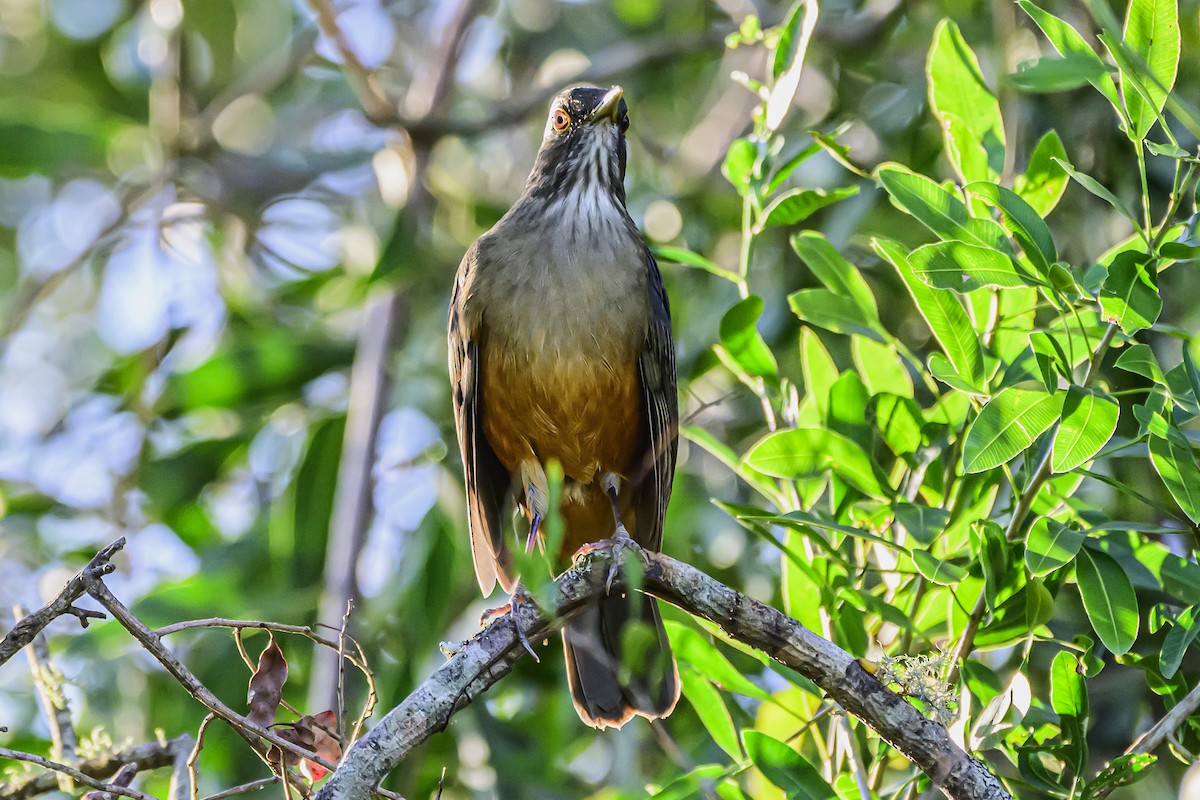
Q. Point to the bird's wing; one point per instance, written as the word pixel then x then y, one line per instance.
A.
pixel 656 368
pixel 487 481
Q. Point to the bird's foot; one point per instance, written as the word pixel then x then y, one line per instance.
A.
pixel 510 608
pixel 618 542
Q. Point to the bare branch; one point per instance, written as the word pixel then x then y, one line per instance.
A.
pixel 362 80
pixel 153 644
pixel 79 776
pixel 149 755
pixel 48 683
pixel 252 786
pixel 489 656
pixel 26 629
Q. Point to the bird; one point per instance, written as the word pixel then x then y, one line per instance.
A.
pixel 560 349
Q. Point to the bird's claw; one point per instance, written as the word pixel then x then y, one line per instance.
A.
pixel 619 541
pixel 510 608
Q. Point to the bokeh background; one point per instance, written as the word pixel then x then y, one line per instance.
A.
pixel 215 240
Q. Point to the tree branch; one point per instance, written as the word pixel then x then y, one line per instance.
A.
pixel 66 769
pixel 490 656
pixel 150 755
pixel 26 629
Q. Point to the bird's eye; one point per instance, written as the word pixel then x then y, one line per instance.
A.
pixel 561 120
pixel 624 123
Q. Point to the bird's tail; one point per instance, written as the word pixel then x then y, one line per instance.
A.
pixel 616 670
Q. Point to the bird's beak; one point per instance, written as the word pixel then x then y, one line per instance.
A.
pixel 609 105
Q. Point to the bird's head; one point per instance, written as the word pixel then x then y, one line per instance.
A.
pixel 583 149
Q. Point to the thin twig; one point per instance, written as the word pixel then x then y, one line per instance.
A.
pixel 48 684
pixel 86 780
pixel 252 786
pixel 148 755
pixel 153 644
pixel 194 756
pixel 363 81
pixel 26 629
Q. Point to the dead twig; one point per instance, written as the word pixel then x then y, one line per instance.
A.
pixel 77 775
pixel 26 629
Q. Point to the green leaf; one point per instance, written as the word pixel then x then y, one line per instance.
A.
pixel 811 452
pixel 1108 599
pixel 923 523
pixel 1022 221
pixel 943 313
pixel 1007 426
pixel 1070 44
pixel 939 209
pixel 786 768
pixel 1095 187
pixel 820 372
pixel 836 273
pixel 1177 641
pixel 799 204
pixel 898 420
pixel 679 255
pixel 937 571
pixel 994 560
pixel 1152 33
pixel 743 342
pixel 834 312
pixel 1051 545
pixel 1056 74
pixel 1088 422
pixel 1175 463
pixel 788 60
pixel 880 366
pixel 957 89
pixel 1068 695
pixel 786 169
pixel 738 167
pixel 1045 180
pixel 1123 770
pixel 1139 359
pixel 693 648
pixel 963 267
pixel 711 710
pixel 1130 294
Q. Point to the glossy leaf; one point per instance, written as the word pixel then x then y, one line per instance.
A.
pixel 1050 545
pixel 1070 44
pixel 1124 770
pixel 711 710
pixel 834 312
pixel 943 313
pixel 810 452
pixel 1007 426
pixel 679 255
pixel 1108 599
pixel 1057 74
pixel 1152 33
pixel 964 268
pixel 1130 294
pixel 936 570
pixel 836 273
pixel 957 90
pixel 786 768
pixel 1088 422
pixel 1179 638
pixel 798 205
pixel 1022 221
pixel 1045 180
pixel 881 367
pixel 1175 463
pixel 742 341
pixel 939 209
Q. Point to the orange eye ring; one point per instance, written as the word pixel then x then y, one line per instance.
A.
pixel 561 120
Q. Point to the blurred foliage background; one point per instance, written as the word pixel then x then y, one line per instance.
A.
pixel 200 226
